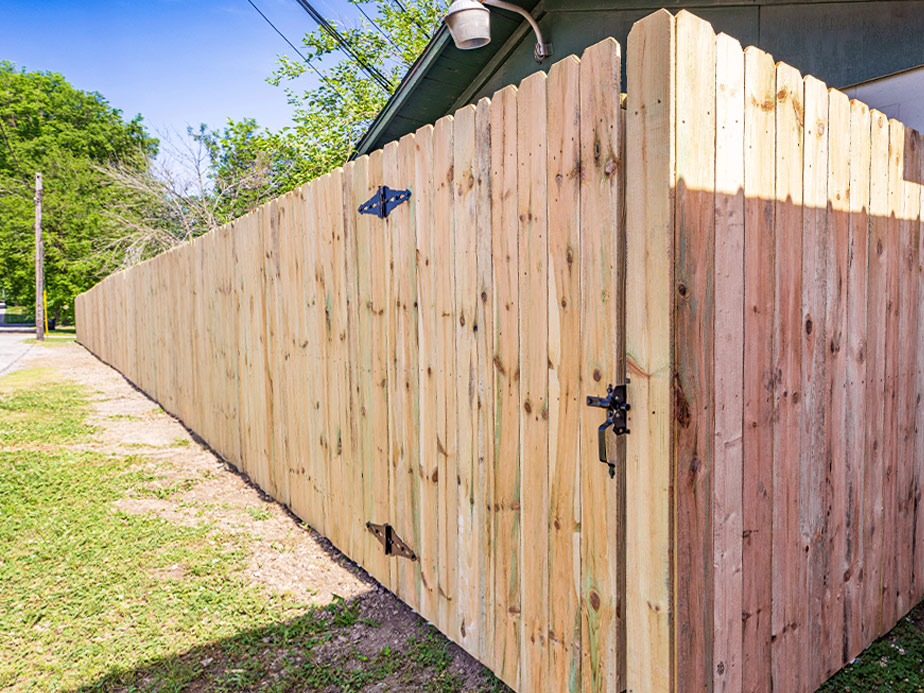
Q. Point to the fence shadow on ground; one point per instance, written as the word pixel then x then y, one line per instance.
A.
pixel 346 645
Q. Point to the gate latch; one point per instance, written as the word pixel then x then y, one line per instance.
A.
pixel 391 541
pixel 617 416
pixel 383 201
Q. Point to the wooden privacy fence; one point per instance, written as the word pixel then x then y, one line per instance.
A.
pixel 427 370
pixel 760 281
pixel 774 330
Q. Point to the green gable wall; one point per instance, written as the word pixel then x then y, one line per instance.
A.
pixel 841 43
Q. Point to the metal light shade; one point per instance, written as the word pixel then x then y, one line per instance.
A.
pixel 469 23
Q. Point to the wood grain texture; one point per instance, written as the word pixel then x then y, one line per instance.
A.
pixel 878 250
pixel 465 273
pixel 814 414
pixel 483 507
pixel 601 253
pixel 506 386
pixel 650 144
pixel 908 300
pixel 788 565
pixel 693 320
pixel 564 344
pixel 532 193
pixel 857 359
pixel 728 365
pixel 759 368
pixel 836 395
pixel 891 434
pixel 446 428
pixel 428 469
pixel 403 421
pixel 918 471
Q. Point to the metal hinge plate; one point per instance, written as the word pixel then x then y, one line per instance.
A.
pixel 383 201
pixel 389 539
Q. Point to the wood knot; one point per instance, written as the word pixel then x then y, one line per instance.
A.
pixel 594 600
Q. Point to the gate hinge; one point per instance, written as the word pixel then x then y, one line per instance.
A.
pixel 393 544
pixel 617 415
pixel 383 201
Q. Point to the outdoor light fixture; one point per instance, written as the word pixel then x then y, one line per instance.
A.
pixel 469 22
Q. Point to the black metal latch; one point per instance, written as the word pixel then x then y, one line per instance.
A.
pixel 617 416
pixel 384 200
pixel 391 541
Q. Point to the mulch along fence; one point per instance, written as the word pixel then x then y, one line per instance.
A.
pixel 742 242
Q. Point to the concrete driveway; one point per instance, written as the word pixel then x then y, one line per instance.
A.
pixel 13 347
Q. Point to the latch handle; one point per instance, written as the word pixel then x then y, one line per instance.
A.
pixel 616 416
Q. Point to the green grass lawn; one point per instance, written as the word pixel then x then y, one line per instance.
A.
pixel 895 662
pixel 95 599
pixel 92 598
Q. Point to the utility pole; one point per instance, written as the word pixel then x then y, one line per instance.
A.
pixel 39 263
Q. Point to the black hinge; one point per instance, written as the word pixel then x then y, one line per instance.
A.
pixel 391 541
pixel 617 415
pixel 384 200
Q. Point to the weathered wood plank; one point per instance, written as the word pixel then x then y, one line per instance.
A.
pixel 484 339
pixel 506 385
pixel 350 305
pixel 856 343
pixel 788 555
pixel 446 428
pixel 599 252
pixel 693 444
pixel 918 511
pixel 651 143
pixel 466 368
pixel 403 388
pixel 812 459
pixel 907 337
pixel 564 358
pixel 342 439
pixel 534 377
pixel 728 365
pixel 370 551
pixel 390 228
pixel 891 435
pixel 273 291
pixel 377 263
pixel 878 251
pixel 759 368
pixel 836 394
pixel 428 268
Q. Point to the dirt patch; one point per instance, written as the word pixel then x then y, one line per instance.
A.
pixel 188 485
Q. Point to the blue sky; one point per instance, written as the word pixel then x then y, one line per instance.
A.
pixel 177 62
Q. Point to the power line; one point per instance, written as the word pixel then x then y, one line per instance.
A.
pixel 347 47
pixel 292 46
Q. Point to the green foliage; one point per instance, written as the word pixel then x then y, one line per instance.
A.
pixel 49 126
pixel 333 114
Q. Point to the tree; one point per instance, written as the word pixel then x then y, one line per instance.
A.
pixel 207 179
pixel 332 116
pixel 47 125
